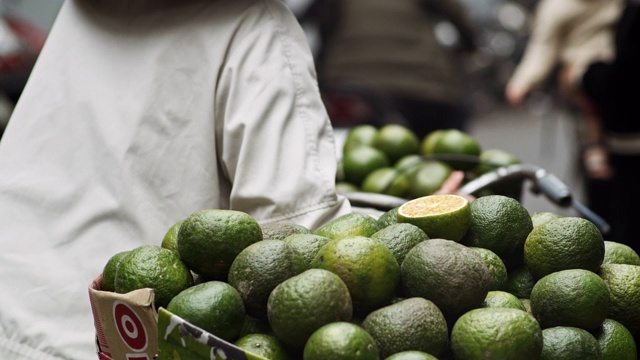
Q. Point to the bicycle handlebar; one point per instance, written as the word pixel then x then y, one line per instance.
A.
pixel 543 181
pixel 547 183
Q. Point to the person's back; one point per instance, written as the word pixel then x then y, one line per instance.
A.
pixel 135 118
pixel 388 51
pixel 390 46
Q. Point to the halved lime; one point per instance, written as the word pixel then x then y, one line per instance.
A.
pixel 445 216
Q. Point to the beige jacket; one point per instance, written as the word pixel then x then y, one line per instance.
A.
pixel 575 32
pixel 133 120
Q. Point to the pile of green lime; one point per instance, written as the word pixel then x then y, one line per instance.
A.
pixel 440 277
pixel 392 160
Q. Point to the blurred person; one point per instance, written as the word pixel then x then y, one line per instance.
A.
pixel 572 33
pixel 387 53
pixel 137 114
pixel 568 35
pixel 612 87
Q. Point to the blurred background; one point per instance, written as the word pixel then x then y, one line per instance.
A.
pixel 24 26
pixel 543 132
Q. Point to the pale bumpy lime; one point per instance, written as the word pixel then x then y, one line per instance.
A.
pixel 341 341
pixel 615 341
pixel 502 332
pixel 503 299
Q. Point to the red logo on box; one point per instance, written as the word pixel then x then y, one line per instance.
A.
pixel 130 328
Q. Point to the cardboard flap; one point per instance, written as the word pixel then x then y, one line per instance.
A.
pixel 181 340
pixel 126 324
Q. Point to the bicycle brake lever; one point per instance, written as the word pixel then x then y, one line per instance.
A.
pixel 512 172
pixel 553 188
pixel 585 212
pixel 543 181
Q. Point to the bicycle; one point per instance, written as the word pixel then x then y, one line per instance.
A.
pixel 542 182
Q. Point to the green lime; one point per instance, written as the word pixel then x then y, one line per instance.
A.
pixel 496 333
pixel 341 341
pixel 444 216
pixel 306 246
pixel 615 341
pixel 400 238
pixel 564 243
pixel 411 324
pixel 497 270
pixel 386 180
pixel 267 346
pixel 390 217
pixel 500 224
pixel 258 269
pixel 360 135
pixel 361 161
pixel 451 275
pixel 408 163
pixel 209 240
pixel 623 282
pixel 503 299
pixel 108 282
pixel 170 239
pixel 570 343
pixel 495 158
pixel 411 355
pixel 428 177
pixel 280 230
pixel 351 224
pixel 618 253
pixel 396 141
pixel 150 266
pixel 214 306
pixel 520 282
pixel 539 218
pixel 574 297
pixel 367 266
pixel 302 304
pixel 492 159
pixel 454 142
pixel 428 142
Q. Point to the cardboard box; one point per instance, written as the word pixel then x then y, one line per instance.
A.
pixel 180 340
pixel 129 328
pixel 126 324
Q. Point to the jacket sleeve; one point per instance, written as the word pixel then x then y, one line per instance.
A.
pixel 275 140
pixel 543 48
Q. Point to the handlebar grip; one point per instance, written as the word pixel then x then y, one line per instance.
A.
pixel 585 212
pixel 556 190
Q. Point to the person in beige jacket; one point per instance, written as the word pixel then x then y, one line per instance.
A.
pixel 137 114
pixel 570 34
